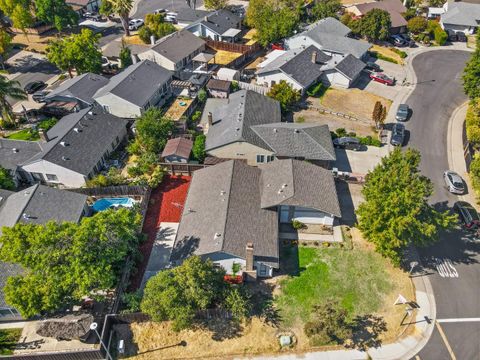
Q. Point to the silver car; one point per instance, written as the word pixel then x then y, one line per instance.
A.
pixel 454 182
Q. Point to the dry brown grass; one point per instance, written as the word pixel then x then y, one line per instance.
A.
pixel 176 111
pixel 133 40
pixel 354 102
pixel 224 57
pixel 388 52
pixel 33 42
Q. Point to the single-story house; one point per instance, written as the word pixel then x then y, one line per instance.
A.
pixel 330 36
pixel 37 204
pixel 13 153
pixel 219 88
pixel 248 126
pixel 177 150
pixel 168 52
pixel 460 17
pixel 221 25
pixel 302 68
pixel 79 90
pixel 394 7
pixel 233 211
pixel 134 90
pixel 187 16
pixel 75 149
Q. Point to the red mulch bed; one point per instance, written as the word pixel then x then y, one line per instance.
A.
pixel 166 205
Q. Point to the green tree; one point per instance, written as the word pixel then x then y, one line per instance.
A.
pixel 417 24
pixel 198 149
pixel 273 19
pixel 326 8
pixel 152 132
pixel 471 74
pixel 6 179
pixel 202 96
pixel 155 25
pixel 5 44
pixel 77 51
pixel 19 11
pixel 237 301
pixel 440 36
pixel 125 56
pixel 284 93
pixel 9 88
pixel 55 12
pixel 472 122
pixel 120 7
pixel 375 25
pixel 396 212
pixel 377 113
pixel 64 262
pixel 215 4
pixel 177 294
pixel 475 173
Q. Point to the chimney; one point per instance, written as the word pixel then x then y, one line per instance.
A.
pixel 152 40
pixel 250 273
pixel 314 57
pixel 43 135
pixel 210 119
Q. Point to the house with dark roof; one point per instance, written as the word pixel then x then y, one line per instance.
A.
pixel 248 126
pixel 13 153
pixel 330 36
pixel 169 54
pixel 177 150
pixel 37 204
pixel 221 25
pixel 135 89
pixel 460 17
pixel 75 149
pixel 394 7
pixel 233 211
pixel 78 90
pixel 219 88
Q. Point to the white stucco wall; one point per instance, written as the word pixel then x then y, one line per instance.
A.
pixel 305 215
pixel 266 79
pixel 65 176
pixel 240 150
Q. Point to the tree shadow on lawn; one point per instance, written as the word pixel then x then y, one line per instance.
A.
pixel 366 331
pixel 222 329
pixel 263 302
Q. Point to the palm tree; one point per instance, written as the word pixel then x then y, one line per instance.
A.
pixel 120 7
pixel 9 88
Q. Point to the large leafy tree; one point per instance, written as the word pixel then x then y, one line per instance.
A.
pixel 375 25
pixel 198 149
pixel 6 179
pixel 120 7
pixel 55 12
pixel 273 19
pixel 155 25
pixel 326 8
pixel 215 4
pixel 19 11
pixel 77 51
pixel 5 44
pixel 396 212
pixel 9 88
pixel 125 56
pixel 284 93
pixel 64 262
pixel 152 131
pixel 417 24
pixel 471 73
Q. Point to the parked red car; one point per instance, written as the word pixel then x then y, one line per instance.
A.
pixel 382 78
pixel 277 46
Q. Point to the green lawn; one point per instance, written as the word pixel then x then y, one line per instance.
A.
pixel 8 340
pixel 26 134
pixel 356 278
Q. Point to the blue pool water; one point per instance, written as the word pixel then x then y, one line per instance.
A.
pixel 107 203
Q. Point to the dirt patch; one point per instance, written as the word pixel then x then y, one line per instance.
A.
pixel 353 102
pixel 35 43
pixel 224 57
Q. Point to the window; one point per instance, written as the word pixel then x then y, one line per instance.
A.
pixel 106 108
pixel 260 158
pixel 270 158
pixel 37 176
pixel 51 177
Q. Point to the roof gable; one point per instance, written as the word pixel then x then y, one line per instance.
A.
pixel 81 87
pixel 169 48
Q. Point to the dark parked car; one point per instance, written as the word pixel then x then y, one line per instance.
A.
pixel 461 37
pixel 398 41
pixel 349 143
pixel 402 112
pixel 373 66
pixel 468 214
pixel 408 40
pixel 34 86
pixel 39 96
pixel 382 78
pixel 398 134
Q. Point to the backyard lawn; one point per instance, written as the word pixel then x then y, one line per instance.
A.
pixel 25 134
pixel 8 340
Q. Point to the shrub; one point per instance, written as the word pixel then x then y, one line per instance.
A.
pixel 440 36
pixel 300 120
pixel 472 123
pixel 401 53
pixel 341 132
pixel 382 57
pixel 417 24
pixel 198 149
pixel 113 177
pixel 370 141
pixel 234 86
pixel 298 225
pixel 202 96
pixel 316 90
pixel 196 116
pixel 132 302
pixel 47 124
pixel 475 173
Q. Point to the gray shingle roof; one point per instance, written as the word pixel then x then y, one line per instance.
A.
pixel 83 148
pixel 350 66
pixel 222 213
pixel 137 83
pixel 461 13
pixel 220 21
pixel 178 45
pixel 232 122
pixel 331 26
pixel 25 150
pixel 188 15
pixel 309 141
pixel 81 87
pixel 298 65
pixel 299 183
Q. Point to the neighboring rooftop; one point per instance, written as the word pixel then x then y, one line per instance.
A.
pixel 188 15
pixel 138 83
pixel 221 21
pixel 179 147
pixel 220 85
pixel 308 141
pixel 350 66
pixel 15 152
pixel 394 7
pixel 232 122
pixel 461 13
pixel 113 48
pixel 170 48
pixel 81 87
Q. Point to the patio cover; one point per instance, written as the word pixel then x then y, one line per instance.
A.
pixel 231 32
pixel 203 57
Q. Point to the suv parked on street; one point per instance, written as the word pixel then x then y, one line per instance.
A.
pixel 468 214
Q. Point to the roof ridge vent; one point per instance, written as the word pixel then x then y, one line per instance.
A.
pixel 64 158
pixel 63 143
pixel 15 150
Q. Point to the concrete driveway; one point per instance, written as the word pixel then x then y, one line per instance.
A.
pixel 359 162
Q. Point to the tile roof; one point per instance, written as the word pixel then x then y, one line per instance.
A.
pixel 298 183
pixel 16 152
pixel 81 87
pixel 222 213
pixel 169 46
pixel 309 141
pixel 350 66
pixel 394 7
pixel 78 140
pixel 136 84
pixel 179 147
pixel 461 13
pixel 232 122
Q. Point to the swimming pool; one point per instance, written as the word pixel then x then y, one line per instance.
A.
pixel 107 203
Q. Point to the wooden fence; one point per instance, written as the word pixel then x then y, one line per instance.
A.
pixel 233 47
pixel 182 168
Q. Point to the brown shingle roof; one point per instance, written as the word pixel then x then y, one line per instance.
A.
pixel 220 85
pixel 394 7
pixel 179 146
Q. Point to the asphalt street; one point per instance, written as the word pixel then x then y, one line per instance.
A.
pixel 452 262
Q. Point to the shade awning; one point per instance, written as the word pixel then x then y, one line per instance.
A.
pixel 203 57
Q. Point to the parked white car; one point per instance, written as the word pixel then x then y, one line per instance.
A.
pixel 134 24
pixel 454 182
